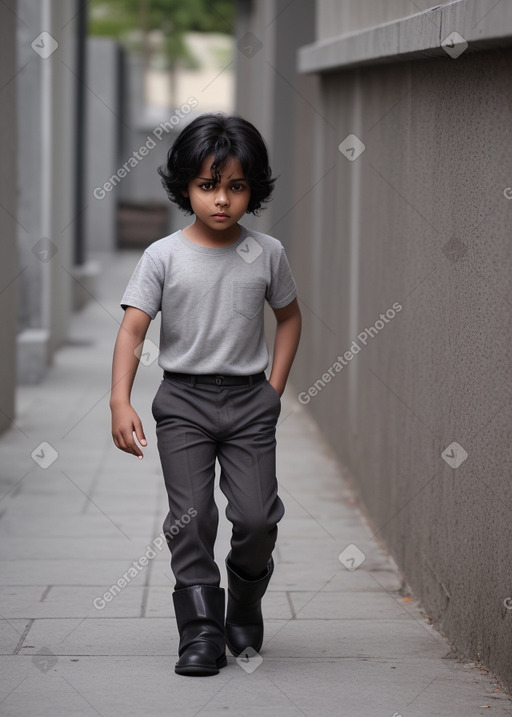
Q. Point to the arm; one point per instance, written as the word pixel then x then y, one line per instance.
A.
pixel 125 420
pixel 289 322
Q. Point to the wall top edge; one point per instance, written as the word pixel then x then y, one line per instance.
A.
pixel 447 31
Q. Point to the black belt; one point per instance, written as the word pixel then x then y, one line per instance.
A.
pixel 216 379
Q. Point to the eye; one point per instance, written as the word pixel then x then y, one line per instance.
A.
pixel 206 185
pixel 238 187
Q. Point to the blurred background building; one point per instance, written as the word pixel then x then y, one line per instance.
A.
pixel 389 126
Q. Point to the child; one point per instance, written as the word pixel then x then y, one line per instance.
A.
pixel 210 281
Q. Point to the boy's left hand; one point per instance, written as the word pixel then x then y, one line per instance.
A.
pixel 277 389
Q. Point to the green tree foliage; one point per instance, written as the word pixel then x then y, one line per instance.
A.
pixel 128 19
pixel 117 18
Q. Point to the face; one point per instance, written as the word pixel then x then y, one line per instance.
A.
pixel 219 206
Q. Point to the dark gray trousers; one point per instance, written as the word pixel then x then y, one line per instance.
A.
pixel 195 424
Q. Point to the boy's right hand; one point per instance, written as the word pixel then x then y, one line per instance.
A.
pixel 126 422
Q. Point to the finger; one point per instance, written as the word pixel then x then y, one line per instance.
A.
pixel 130 445
pixel 139 432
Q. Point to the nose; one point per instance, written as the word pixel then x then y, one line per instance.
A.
pixel 221 198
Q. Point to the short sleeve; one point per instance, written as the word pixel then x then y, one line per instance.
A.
pixel 144 290
pixel 282 289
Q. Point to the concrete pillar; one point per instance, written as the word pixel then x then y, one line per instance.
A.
pixel 46 58
pixel 103 128
pixel 9 267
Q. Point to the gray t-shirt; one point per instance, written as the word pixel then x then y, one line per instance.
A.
pixel 212 300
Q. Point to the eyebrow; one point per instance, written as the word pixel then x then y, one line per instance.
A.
pixel 210 179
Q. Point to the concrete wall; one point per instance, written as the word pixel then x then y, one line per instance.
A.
pixel 272 94
pixel 9 266
pixel 45 161
pixel 420 220
pixel 279 101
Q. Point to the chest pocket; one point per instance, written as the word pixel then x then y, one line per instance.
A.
pixel 248 298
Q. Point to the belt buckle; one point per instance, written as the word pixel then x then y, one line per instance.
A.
pixel 219 380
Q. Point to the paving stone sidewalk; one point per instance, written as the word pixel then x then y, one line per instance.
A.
pixel 76 515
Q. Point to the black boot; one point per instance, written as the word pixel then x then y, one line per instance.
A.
pixel 244 621
pixel 200 619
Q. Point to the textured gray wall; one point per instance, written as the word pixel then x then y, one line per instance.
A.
pixel 9 263
pixel 420 219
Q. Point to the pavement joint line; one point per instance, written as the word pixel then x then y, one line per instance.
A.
pixel 290 604
pixel 23 636
pixel 288 620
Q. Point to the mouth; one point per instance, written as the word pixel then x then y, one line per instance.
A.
pixel 221 215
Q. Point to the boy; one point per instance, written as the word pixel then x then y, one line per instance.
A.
pixel 210 281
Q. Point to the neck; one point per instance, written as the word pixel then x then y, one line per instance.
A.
pixel 204 235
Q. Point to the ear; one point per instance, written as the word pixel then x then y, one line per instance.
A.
pixel 184 192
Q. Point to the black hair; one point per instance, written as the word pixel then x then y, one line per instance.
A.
pixel 222 136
